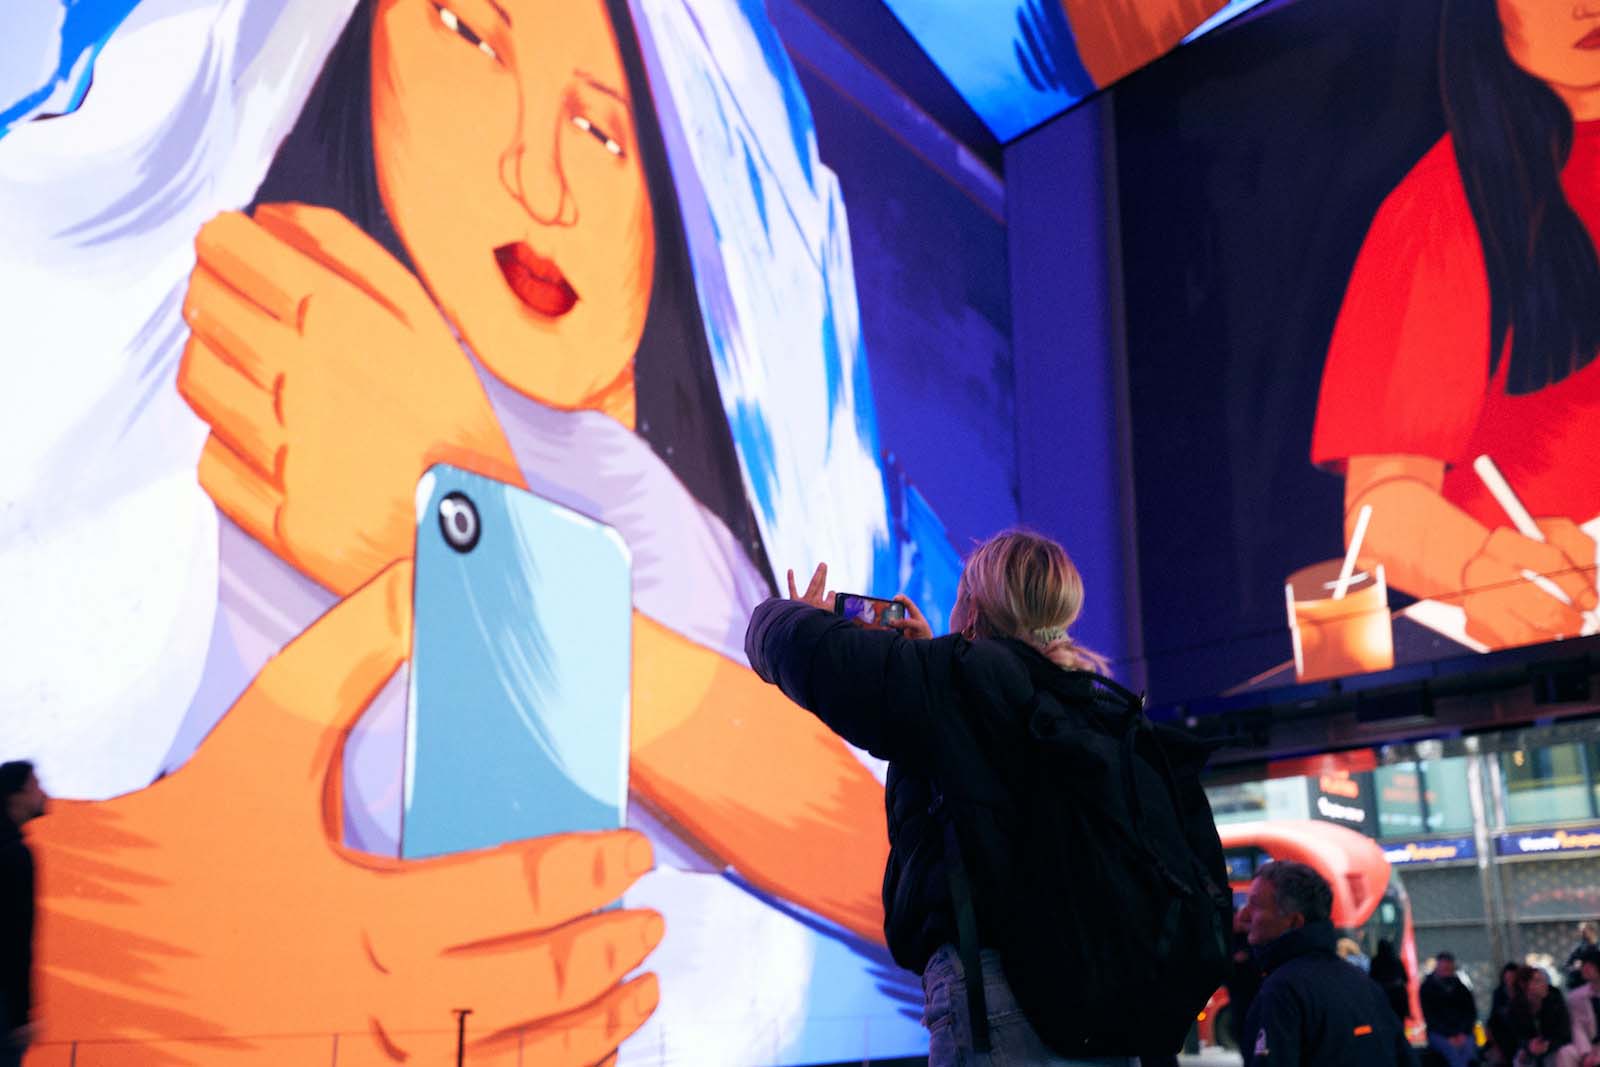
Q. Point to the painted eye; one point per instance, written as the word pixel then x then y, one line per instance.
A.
pixel 453 23
pixel 598 134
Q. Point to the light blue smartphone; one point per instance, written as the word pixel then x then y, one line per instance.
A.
pixel 517 719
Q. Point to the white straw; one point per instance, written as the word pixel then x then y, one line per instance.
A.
pixel 1508 500
pixel 1512 505
pixel 1342 586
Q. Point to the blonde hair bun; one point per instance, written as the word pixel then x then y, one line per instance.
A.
pixel 1024 585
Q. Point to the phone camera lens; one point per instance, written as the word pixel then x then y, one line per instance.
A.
pixel 458 521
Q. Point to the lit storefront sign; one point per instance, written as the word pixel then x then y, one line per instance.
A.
pixel 1402 853
pixel 1345 798
pixel 1546 842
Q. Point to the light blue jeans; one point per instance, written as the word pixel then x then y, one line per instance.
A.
pixel 1454 1055
pixel 1012 1041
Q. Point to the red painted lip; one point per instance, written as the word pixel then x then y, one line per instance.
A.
pixel 537 281
pixel 1590 40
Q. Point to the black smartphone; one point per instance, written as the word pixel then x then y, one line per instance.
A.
pixel 867 610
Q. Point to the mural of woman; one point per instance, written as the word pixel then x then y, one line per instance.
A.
pixel 1470 328
pixel 476 245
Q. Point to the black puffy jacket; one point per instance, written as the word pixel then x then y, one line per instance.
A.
pixel 16 928
pixel 1316 1010
pixel 1448 1006
pixel 946 710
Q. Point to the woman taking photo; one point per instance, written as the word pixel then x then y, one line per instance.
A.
pixel 968 723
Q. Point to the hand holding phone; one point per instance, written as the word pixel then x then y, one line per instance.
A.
pixel 912 624
pixel 875 613
pixel 869 611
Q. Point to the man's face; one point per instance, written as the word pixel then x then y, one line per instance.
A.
pixel 29 803
pixel 1263 917
pixel 1445 968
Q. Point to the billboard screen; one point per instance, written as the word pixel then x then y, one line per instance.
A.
pixel 411 401
pixel 1360 339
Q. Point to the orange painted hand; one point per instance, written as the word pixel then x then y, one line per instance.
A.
pixel 330 382
pixel 213 918
pixel 1504 609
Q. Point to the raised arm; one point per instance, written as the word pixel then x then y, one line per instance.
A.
pixel 872 687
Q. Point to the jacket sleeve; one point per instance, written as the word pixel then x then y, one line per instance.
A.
pixel 1467 1009
pixel 1273 1039
pixel 871 687
pixel 1558 1024
pixel 1428 995
pixel 1502 1029
pixel 16 939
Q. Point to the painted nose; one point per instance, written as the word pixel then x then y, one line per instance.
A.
pixel 540 186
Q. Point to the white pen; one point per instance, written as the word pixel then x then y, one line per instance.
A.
pixel 1512 505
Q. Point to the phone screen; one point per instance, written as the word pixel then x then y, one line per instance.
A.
pixel 867 610
pixel 518 713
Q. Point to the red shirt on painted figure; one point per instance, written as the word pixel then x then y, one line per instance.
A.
pixel 1408 366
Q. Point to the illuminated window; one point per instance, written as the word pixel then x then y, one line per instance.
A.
pixel 1241 802
pixel 1402 810
pixel 1423 797
pixel 1551 784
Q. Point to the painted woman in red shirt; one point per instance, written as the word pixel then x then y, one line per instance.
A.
pixel 1470 328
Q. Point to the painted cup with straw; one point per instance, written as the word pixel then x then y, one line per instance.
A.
pixel 1339 614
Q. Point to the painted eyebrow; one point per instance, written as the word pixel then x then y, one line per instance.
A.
pixel 502 12
pixel 601 87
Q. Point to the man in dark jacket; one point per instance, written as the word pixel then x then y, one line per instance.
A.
pixel 21 799
pixel 1244 982
pixel 1450 1012
pixel 1314 1009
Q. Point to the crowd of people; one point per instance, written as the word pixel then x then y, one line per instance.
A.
pixel 1291 1003
pixel 1530 1022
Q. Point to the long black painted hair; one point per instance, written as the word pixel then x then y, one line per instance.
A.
pixel 327 160
pixel 1512 136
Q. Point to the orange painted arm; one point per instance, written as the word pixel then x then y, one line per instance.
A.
pixel 1422 539
pixel 1431 548
pixel 756 780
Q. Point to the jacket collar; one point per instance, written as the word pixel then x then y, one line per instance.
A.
pixel 1312 938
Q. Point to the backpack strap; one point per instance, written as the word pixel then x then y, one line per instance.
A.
pixel 966 922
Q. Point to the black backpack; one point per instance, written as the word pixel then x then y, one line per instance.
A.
pixel 1116 919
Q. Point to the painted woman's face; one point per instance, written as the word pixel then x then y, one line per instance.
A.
pixel 508 162
pixel 1556 41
